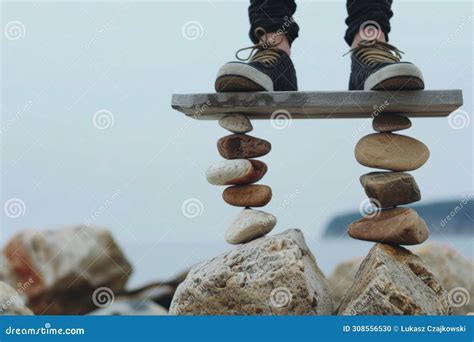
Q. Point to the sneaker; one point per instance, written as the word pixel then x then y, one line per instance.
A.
pixel 268 69
pixel 376 66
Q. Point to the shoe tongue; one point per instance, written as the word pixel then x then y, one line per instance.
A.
pixel 268 56
pixel 375 52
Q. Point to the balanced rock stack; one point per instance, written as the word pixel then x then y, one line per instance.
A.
pixel 391 280
pixel 387 190
pixel 240 171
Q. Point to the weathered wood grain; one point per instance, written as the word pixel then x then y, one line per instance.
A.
pixel 319 104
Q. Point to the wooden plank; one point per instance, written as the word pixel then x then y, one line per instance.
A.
pixel 319 104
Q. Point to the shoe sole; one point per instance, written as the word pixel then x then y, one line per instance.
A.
pixel 236 77
pixel 396 77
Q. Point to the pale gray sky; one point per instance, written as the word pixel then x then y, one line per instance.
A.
pixel 73 60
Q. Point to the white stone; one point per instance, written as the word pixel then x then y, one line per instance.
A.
pixel 227 171
pixel 11 302
pixel 249 225
pixel 273 275
pixel 236 123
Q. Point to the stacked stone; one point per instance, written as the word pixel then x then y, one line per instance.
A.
pixel 240 171
pixel 387 190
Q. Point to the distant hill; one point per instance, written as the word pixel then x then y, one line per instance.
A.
pixel 444 217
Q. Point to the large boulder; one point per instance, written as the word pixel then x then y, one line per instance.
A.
pixel 272 275
pixel 393 281
pixel 65 266
pixel 11 302
pixel 455 272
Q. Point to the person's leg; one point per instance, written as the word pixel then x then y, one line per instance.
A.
pixel 269 66
pixel 276 18
pixel 367 19
pixel 376 64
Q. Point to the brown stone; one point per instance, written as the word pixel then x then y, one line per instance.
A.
pixel 236 171
pixel 64 267
pixel 390 122
pixel 237 146
pixel 259 170
pixel 390 189
pixel 398 226
pixel 254 195
pixel 391 151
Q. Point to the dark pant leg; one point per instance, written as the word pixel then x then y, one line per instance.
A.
pixel 367 12
pixel 273 16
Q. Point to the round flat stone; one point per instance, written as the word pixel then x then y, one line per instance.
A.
pixel 241 146
pixel 254 195
pixel 400 226
pixel 391 151
pixel 236 123
pixel 390 123
pixel 390 189
pixel 249 225
pixel 236 171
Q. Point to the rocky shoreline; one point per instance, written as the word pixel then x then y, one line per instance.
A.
pixel 81 270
